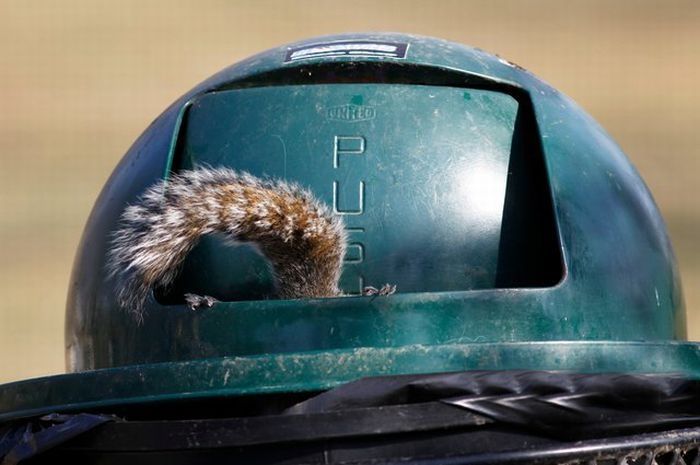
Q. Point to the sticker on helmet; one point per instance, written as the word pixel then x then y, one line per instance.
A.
pixel 348 48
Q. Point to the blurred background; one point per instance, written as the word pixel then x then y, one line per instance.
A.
pixel 80 80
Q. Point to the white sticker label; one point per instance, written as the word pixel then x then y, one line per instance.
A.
pixel 348 48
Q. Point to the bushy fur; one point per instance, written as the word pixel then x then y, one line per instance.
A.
pixel 303 241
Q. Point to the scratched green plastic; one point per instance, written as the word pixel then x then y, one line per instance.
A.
pixel 136 385
pixel 617 280
pixel 418 174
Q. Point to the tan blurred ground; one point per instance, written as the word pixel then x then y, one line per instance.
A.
pixel 79 80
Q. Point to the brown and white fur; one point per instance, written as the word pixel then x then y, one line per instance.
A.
pixel 303 241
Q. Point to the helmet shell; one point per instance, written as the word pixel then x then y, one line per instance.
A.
pixel 503 212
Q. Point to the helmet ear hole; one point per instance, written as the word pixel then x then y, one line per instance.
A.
pixel 485 221
pixel 529 249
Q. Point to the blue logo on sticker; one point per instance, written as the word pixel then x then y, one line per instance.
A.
pixel 373 49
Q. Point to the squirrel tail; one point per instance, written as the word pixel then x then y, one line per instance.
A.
pixel 303 241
